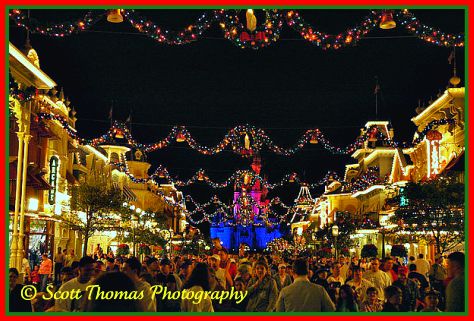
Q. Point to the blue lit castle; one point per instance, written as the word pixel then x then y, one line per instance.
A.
pixel 249 223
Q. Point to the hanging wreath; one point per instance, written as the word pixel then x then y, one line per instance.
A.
pixel 123 249
pixel 252 35
pixel 144 249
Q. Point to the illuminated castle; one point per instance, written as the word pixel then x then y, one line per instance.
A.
pixel 249 223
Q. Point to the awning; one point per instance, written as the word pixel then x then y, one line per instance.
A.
pixel 126 192
pixel 70 178
pixel 36 178
pixel 129 195
pixel 456 164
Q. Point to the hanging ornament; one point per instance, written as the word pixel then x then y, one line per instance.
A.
pixel 247 141
pixel 373 135
pixel 161 174
pixel 180 137
pixel 118 134
pixel 292 178
pixel 387 22
pixel 115 16
pixel 314 139
pixel 246 179
pixel 200 176
pixel 251 20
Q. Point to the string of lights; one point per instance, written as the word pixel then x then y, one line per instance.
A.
pixel 253 34
pixel 245 140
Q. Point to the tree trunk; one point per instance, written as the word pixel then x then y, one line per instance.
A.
pixel 86 241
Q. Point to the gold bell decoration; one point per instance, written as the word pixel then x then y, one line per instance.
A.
pixel 118 134
pixel 180 137
pixel 247 142
pixel 314 139
pixel 251 20
pixel 387 22
pixel 200 176
pixel 246 179
pixel 454 80
pixel 115 16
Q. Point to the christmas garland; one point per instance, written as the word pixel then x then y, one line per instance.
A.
pixel 262 36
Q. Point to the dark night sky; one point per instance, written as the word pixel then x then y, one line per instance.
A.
pixel 211 86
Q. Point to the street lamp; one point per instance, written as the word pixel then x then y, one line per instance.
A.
pixel 335 233
pixel 134 226
pixel 383 223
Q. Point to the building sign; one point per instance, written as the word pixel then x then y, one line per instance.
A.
pixel 53 178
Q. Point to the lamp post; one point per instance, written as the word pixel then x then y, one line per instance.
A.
pixel 335 233
pixel 383 223
pixel 134 226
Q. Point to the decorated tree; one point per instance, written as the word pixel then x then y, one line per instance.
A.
pixel 96 206
pixel 433 211
pixel 347 226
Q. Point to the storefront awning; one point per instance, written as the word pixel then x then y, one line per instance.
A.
pixel 129 195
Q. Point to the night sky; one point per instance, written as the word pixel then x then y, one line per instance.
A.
pixel 211 86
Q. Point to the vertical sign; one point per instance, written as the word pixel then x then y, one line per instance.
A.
pixel 53 178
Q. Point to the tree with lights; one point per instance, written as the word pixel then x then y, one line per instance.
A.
pixel 434 210
pixel 347 226
pixel 99 202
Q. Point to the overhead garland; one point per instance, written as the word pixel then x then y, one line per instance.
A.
pixel 254 34
pixel 245 140
pixel 244 179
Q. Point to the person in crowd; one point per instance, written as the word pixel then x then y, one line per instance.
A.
pixel 233 268
pixel 281 278
pixel 347 301
pixel 239 285
pixel 411 260
pixel 110 265
pixel 217 246
pixel 172 282
pixel 114 282
pixel 45 271
pixel 372 303
pixel 244 271
pixel 387 267
pixel 302 295
pixel 335 281
pixel 422 265
pixel 377 277
pixel 99 268
pixel 359 284
pixel 71 258
pixel 153 267
pixel 262 290
pixel 40 304
pixel 419 278
pixel 75 268
pixel 16 302
pixel 320 278
pixel 59 260
pixel 198 281
pixel 25 268
pixel 132 269
pixel 437 276
pixel 455 289
pixel 35 278
pixel 222 275
pixel 185 269
pixel 394 298
pixel 410 292
pixel 431 301
pixel 86 271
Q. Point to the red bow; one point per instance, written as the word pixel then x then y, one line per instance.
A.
pixel 259 36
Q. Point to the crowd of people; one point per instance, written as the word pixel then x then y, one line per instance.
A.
pixel 272 283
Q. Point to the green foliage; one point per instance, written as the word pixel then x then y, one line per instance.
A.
pixel 347 226
pixel 369 250
pixel 99 202
pixel 398 250
pixel 434 211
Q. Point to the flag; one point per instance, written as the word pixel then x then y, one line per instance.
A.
pixel 450 58
pixel 129 119
pixel 111 112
